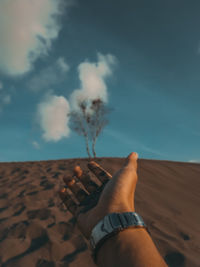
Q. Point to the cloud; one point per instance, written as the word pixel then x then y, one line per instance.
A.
pixel 92 77
pixel 6 99
pixel 53 117
pixel 194 161
pixel 53 112
pixel 27 29
pixel 49 76
pixel 62 65
pixel 36 145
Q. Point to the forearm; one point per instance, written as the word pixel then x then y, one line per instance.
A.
pixel 132 247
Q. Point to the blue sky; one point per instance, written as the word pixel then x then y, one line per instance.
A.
pixel 141 57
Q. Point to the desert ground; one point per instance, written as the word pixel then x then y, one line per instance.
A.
pixel 36 231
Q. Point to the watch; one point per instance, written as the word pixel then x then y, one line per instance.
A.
pixel 112 224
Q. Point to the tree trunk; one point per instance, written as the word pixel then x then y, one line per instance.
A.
pixel 93 147
pixel 87 147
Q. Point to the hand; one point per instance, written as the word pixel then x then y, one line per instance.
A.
pixel 115 195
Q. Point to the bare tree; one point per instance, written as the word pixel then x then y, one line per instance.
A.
pixel 89 120
pixel 98 121
pixel 78 121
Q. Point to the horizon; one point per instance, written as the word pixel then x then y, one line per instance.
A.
pixel 141 59
pixel 97 158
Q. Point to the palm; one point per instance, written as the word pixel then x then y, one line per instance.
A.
pixel 115 195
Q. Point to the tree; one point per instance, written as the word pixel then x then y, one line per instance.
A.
pixel 89 120
pixel 98 121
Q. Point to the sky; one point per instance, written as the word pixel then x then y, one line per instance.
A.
pixel 142 58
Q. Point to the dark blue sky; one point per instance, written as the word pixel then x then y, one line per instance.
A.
pixel 154 89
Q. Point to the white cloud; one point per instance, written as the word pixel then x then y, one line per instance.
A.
pixel 194 161
pixel 92 77
pixel 53 117
pixel 49 76
pixel 53 112
pixel 6 99
pixel 27 29
pixel 36 145
pixel 64 67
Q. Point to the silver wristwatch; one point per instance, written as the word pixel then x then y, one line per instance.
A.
pixel 110 225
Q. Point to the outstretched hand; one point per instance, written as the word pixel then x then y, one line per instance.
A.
pixel 116 194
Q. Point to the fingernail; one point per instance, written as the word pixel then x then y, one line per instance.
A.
pixel 77 171
pixel 92 163
pixel 70 183
pixel 131 156
pixel 63 190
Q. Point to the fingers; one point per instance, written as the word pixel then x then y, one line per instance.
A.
pixel 85 199
pixel 79 193
pixel 85 179
pixel 99 172
pixel 94 189
pixel 89 200
pixel 68 201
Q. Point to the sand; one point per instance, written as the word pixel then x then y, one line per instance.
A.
pixel 36 231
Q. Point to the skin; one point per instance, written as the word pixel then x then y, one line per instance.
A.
pixel 116 195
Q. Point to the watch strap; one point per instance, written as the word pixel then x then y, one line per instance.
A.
pixel 112 224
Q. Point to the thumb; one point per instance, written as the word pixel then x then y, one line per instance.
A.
pixel 127 175
pixel 131 160
pixel 120 189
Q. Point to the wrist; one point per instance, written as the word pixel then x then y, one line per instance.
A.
pixel 111 225
pixel 130 247
pixel 122 242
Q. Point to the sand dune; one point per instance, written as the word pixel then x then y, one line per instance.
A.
pixel 36 232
